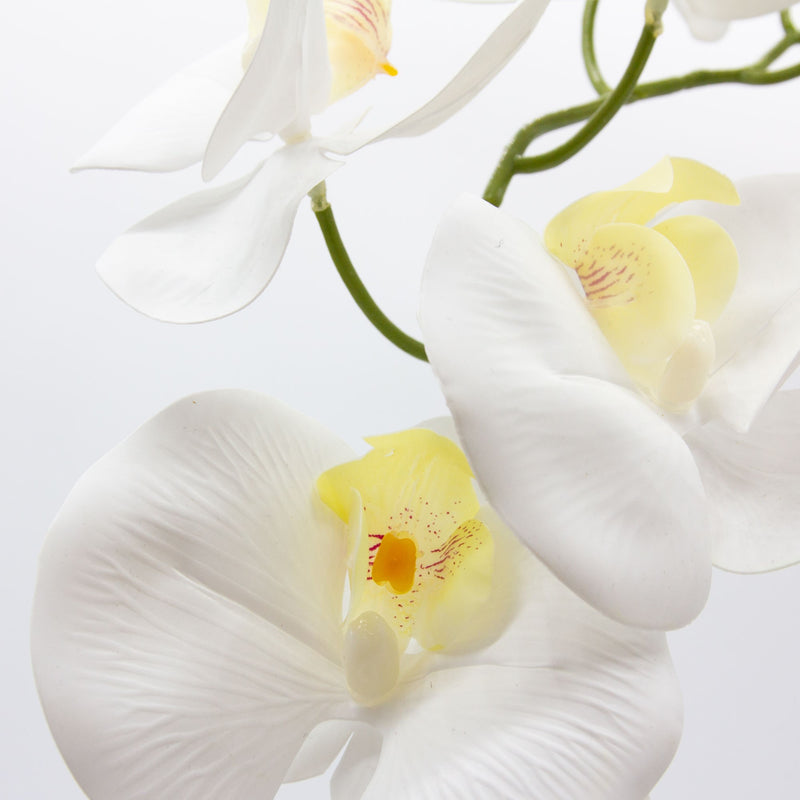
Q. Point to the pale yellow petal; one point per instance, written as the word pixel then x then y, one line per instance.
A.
pixel 637 202
pixel 711 256
pixel 457 580
pixel 640 292
pixel 359 37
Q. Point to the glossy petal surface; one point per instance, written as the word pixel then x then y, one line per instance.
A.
pixel 733 9
pixel 600 488
pixel 169 129
pixel 753 484
pixel 211 253
pixel 185 624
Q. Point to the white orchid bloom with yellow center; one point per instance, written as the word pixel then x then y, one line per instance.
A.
pixel 708 19
pixel 213 252
pixel 630 369
pixel 232 596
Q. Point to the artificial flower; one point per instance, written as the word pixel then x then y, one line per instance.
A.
pixel 189 637
pixel 213 252
pixel 657 478
pixel 708 19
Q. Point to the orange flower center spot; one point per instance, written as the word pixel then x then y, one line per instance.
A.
pixel 395 563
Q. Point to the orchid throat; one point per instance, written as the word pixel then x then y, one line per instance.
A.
pixel 654 291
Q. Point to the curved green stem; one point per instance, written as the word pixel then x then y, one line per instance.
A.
pixel 787 21
pixel 601 113
pixel 587 48
pixel 353 282
pixel 513 162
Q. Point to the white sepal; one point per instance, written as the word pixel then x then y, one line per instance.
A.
pixel 169 129
pixel 213 252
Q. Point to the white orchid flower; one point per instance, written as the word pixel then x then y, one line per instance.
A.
pixel 638 386
pixel 708 19
pixel 189 639
pixel 213 252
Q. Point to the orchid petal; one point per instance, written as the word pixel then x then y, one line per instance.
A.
pixel 213 252
pixel 733 9
pixel 186 607
pixel 169 129
pixel 753 484
pixel 566 703
pixel 758 335
pixel 357 765
pixel 476 73
pixel 288 79
pixel 601 489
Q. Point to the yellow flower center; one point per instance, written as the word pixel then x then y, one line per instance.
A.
pixel 359 36
pixel 420 563
pixel 654 291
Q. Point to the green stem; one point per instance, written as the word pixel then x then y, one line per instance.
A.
pixel 587 48
pixel 774 53
pixel 601 113
pixel 353 282
pixel 512 162
pixel 787 21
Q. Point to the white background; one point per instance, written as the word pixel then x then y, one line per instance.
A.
pixel 81 370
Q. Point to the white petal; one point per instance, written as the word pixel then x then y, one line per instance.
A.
pixel 170 128
pixel 758 335
pixel 703 28
pixel 188 604
pixel 732 9
pixel 566 704
pixel 211 253
pixel 601 488
pixel 288 79
pixel 753 486
pixel 487 61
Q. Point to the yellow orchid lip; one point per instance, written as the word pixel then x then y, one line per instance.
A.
pixel 419 560
pixel 648 288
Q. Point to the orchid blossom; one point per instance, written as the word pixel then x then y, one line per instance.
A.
pixel 213 252
pixel 190 637
pixel 631 370
pixel 708 19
